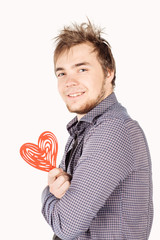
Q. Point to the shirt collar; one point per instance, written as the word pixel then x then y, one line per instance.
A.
pixel 74 126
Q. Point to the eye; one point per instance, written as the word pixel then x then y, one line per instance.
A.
pixel 60 74
pixel 82 70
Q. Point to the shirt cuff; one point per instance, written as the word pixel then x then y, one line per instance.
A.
pixel 45 194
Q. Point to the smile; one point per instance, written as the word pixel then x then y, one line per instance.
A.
pixel 75 94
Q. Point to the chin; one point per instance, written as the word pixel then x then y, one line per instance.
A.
pixel 82 110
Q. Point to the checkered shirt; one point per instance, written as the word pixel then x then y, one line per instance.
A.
pixel 110 196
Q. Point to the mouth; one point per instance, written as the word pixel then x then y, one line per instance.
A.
pixel 75 95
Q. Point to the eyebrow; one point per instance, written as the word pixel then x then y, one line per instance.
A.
pixel 74 66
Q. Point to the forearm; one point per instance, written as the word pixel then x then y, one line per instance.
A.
pixel 48 203
pixel 55 212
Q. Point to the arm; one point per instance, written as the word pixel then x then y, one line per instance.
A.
pixel 106 160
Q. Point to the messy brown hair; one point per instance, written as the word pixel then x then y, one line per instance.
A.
pixel 86 32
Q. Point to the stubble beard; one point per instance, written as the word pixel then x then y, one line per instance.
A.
pixel 90 104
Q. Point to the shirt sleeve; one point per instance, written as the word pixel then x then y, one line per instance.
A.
pixel 106 160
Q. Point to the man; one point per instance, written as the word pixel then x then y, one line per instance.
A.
pixel 103 186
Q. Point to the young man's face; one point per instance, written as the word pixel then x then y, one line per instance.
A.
pixel 81 80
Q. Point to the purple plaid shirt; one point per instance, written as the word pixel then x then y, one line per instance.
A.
pixel 110 196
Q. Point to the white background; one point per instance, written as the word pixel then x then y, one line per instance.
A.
pixel 30 103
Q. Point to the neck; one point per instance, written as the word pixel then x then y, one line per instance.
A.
pixel 79 116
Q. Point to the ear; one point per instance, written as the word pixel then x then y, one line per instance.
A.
pixel 110 75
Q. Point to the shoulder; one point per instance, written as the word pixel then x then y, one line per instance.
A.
pixel 114 124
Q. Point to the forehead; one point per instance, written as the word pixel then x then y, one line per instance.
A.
pixel 80 52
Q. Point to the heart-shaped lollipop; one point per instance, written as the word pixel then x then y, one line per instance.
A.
pixel 42 156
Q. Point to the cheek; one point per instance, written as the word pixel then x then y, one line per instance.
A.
pixel 59 85
pixel 61 90
pixel 95 84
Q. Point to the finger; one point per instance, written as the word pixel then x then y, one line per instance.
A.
pixel 60 181
pixel 63 189
pixel 53 174
pixel 64 173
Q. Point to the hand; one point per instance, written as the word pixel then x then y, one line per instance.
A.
pixel 59 182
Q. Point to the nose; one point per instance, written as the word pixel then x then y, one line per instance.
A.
pixel 71 81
